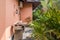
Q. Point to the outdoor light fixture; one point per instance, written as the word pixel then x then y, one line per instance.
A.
pixel 20 3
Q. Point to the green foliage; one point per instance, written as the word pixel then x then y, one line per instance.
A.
pixel 47 22
pixel 46 25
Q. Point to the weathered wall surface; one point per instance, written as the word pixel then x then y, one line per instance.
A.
pixel 26 11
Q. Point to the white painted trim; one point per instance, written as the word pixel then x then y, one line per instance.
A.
pixel 7 31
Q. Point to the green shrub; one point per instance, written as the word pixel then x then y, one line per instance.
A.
pixel 46 25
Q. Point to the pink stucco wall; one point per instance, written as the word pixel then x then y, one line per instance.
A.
pixel 2 18
pixel 8 15
pixel 11 16
pixel 26 11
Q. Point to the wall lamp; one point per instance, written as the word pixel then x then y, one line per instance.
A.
pixel 20 3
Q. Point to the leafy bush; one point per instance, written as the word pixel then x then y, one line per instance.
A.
pixel 46 25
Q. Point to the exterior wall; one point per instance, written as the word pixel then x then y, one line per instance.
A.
pixel 9 17
pixel 2 18
pixel 26 11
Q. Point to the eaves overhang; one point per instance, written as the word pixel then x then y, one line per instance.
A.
pixel 30 1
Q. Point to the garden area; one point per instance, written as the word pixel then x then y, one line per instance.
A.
pixel 46 20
